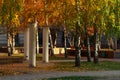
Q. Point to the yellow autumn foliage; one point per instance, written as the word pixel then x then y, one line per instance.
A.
pixel 15 21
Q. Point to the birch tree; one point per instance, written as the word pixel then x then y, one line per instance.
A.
pixel 10 18
pixel 78 36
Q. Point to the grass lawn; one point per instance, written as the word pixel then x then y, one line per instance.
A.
pixel 87 66
pixel 22 68
pixel 56 57
pixel 72 78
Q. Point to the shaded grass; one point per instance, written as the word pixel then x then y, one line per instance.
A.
pixel 87 66
pixel 72 78
pixel 56 57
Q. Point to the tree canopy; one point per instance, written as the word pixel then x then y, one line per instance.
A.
pixel 104 13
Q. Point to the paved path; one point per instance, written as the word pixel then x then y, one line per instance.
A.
pixel 111 75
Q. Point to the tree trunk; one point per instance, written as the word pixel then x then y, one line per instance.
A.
pixel 13 44
pixel 9 44
pixel 37 41
pixel 117 22
pixel 54 37
pixel 88 50
pixel 77 46
pixel 117 13
pixel 65 31
pixel 115 44
pixel 51 44
pixel 77 36
pixel 65 42
pixel 54 40
pixel 10 41
pixel 78 52
pixel 32 46
pixel 96 46
pixel 88 46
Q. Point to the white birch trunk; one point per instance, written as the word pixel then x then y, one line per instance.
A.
pixel 32 45
pixel 88 49
pixel 65 41
pixel 13 44
pixel 26 44
pixel 9 44
pixel 96 48
pixel 45 44
pixel 37 39
pixel 51 44
pixel 78 36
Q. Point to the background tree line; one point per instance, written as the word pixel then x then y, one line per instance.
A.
pixel 77 16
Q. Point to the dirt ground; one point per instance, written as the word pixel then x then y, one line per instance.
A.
pixel 23 68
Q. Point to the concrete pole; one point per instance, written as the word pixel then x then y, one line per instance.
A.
pixel 45 44
pixel 32 45
pixel 26 44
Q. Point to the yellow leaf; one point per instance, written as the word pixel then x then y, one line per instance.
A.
pixel 29 20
